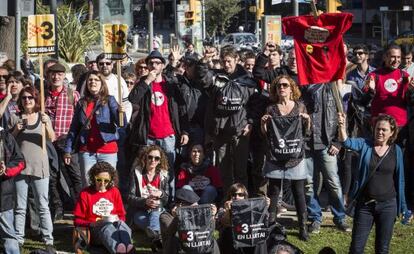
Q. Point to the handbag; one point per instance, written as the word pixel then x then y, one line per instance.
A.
pixel 350 209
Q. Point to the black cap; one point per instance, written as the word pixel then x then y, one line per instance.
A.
pixel 57 67
pixel 187 196
pixel 155 54
pixel 190 60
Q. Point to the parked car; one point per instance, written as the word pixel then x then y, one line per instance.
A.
pixel 404 38
pixel 241 41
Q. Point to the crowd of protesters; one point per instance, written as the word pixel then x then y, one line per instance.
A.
pixel 201 129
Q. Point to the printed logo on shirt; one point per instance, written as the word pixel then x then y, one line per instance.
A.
pixel 390 85
pixel 103 207
pixel 199 182
pixel 315 34
pixel 157 98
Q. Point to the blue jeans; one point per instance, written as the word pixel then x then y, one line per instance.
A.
pixel 7 232
pixel 40 188
pixel 383 214
pixel 317 162
pixel 168 145
pixel 144 219
pixel 112 234
pixel 87 160
pixel 208 196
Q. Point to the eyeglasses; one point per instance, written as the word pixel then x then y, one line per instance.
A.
pixel 284 85
pixel 27 98
pixel 100 180
pixel 156 158
pixel 155 63
pixel 3 76
pixel 104 63
pixel 129 82
pixel 359 53
pixel 238 194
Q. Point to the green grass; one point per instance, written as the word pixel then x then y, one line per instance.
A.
pixel 402 241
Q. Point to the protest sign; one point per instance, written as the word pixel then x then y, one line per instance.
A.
pixel 195 229
pixel 249 218
pixel 41 34
pixel 114 44
pixel 41 41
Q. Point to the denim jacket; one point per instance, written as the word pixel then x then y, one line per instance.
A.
pixel 107 118
pixel 364 148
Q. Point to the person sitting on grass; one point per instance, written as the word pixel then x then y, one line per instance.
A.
pixel 200 176
pixel 100 208
pixel 148 190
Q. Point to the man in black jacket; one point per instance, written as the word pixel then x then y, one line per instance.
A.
pixel 11 164
pixel 162 118
pixel 229 117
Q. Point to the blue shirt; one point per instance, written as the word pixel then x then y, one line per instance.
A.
pixel 359 80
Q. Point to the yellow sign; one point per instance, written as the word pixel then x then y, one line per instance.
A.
pixel 273 29
pixel 41 34
pixel 114 39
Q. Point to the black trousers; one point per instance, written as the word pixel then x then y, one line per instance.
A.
pixel 298 190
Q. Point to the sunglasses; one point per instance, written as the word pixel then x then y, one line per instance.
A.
pixel 285 85
pixel 27 98
pixel 100 180
pixel 238 194
pixel 156 158
pixel 3 76
pixel 129 82
pixel 104 63
pixel 359 53
pixel 142 67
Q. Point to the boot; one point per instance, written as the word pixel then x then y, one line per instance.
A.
pixel 303 228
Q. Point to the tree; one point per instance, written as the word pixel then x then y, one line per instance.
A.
pixel 219 14
pixel 7 31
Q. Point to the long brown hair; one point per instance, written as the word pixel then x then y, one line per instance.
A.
pixel 103 93
pixel 293 86
pixel 142 158
pixel 33 92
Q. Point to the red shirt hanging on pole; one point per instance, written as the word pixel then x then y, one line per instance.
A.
pixel 319 46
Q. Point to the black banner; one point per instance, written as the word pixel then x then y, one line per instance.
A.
pixel 285 138
pixel 196 227
pixel 249 218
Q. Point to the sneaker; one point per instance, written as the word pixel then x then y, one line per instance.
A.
pixel 343 227
pixel 315 227
pixel 50 249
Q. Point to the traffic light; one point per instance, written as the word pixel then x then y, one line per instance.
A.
pixel 333 5
pixel 189 18
pixel 260 9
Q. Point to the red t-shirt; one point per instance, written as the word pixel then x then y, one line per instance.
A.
pixel 95 143
pixel 319 46
pixel 390 88
pixel 92 205
pixel 160 122
pixel 199 182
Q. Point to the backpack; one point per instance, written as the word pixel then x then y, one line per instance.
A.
pixel 249 219
pixel 230 98
pixel 285 138
pixel 195 228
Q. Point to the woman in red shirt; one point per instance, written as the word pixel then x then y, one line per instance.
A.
pixel 94 127
pixel 100 208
